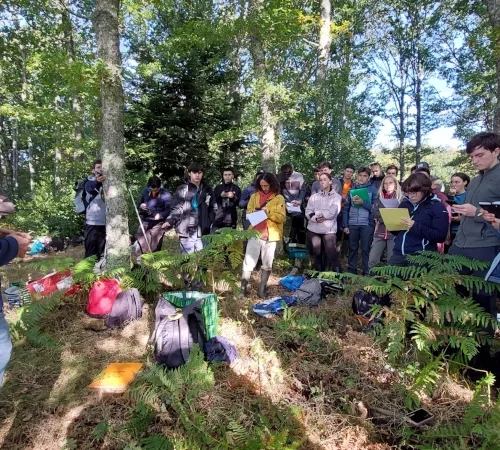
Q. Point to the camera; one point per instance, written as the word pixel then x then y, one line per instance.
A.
pixel 226 202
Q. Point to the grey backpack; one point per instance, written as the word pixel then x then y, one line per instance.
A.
pixel 309 293
pixel 127 307
pixel 176 331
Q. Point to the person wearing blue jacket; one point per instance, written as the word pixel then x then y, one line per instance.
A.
pixel 245 198
pixel 154 208
pixel 428 223
pixel 358 222
pixel 11 245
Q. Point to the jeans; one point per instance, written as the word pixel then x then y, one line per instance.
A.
pixel 357 234
pixel 378 246
pixel 256 247
pixel 5 344
pixel 191 244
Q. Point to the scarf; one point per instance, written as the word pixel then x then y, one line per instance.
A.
pixel 262 227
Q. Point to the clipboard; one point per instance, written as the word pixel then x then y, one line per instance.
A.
pixel 361 193
pixel 392 218
pixel 256 217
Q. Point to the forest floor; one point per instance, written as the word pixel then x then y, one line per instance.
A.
pixel 314 375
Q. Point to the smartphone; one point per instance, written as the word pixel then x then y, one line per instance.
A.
pixel 419 417
pixel 451 201
pixel 493 208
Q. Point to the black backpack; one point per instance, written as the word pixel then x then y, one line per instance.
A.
pixel 363 301
pixel 176 331
pixel 127 307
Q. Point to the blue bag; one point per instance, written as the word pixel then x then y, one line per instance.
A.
pixel 493 274
pixel 291 282
pixel 219 349
pixel 273 306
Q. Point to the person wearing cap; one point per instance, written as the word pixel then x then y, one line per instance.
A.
pixel 423 165
pixel 476 238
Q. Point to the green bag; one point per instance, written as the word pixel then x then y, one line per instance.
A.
pixel 209 309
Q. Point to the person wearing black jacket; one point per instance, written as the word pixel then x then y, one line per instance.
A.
pixel 154 208
pixel 227 197
pixel 193 210
pixel 428 223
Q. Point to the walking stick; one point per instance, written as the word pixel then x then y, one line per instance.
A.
pixel 140 221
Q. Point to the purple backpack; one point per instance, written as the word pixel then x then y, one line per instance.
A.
pixel 127 307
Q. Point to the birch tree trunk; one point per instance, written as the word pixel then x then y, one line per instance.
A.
pixel 494 17
pixel 325 42
pixel 106 24
pixel 267 121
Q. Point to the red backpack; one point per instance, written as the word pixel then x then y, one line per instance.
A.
pixel 102 295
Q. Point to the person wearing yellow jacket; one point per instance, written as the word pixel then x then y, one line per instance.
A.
pixel 268 199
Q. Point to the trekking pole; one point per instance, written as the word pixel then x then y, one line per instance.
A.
pixel 140 221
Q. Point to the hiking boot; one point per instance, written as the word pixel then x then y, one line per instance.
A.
pixel 264 278
pixel 245 278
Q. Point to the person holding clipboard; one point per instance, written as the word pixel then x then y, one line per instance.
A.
pixel 428 223
pixel 266 213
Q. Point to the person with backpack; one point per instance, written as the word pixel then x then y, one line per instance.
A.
pixel 154 208
pixel 428 223
pixel 358 220
pixel 95 213
pixel 193 210
pixel 321 212
pixel 389 196
pixel 267 199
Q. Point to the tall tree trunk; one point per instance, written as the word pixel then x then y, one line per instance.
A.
pixel 15 155
pixel 419 75
pixel 494 17
pixel 4 182
pixel 31 166
pixel 106 23
pixel 267 120
pixel 57 148
pixel 325 42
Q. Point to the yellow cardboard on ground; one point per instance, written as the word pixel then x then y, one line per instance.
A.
pixel 116 377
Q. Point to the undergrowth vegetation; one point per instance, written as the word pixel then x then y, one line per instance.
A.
pixel 308 379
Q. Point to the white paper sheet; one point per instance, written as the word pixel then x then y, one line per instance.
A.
pixel 256 217
pixel 291 209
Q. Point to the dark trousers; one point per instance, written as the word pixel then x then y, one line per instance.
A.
pixel 397 259
pixel 95 240
pixel 154 236
pixel 327 243
pixel 297 230
pixel 360 234
pixel 483 299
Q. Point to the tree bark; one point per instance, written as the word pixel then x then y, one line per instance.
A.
pixel 325 42
pixel 494 18
pixel 15 155
pixel 267 121
pixel 106 23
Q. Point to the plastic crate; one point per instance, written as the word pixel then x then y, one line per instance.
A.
pixel 209 308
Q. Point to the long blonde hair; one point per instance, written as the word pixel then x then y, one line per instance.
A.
pixel 399 192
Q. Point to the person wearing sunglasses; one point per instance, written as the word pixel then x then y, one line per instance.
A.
pixel 428 223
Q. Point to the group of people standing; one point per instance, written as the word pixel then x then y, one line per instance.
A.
pixel 323 214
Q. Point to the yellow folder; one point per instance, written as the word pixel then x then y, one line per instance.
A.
pixel 116 377
pixel 392 218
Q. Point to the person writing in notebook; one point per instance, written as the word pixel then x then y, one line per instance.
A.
pixel 428 223
pixel 266 199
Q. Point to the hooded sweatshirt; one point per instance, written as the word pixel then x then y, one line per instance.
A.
pixel 155 204
pixel 96 210
pixel 430 227
pixel 326 204
pixel 475 232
